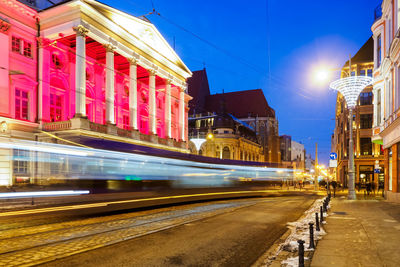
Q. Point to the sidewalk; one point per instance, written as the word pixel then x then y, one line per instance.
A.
pixel 364 232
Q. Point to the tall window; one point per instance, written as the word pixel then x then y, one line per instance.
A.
pixel 389 98
pixel 365 146
pixel 20 162
pixel 378 107
pixel 16 44
pixel 366 98
pixel 378 50
pixel 125 122
pixel 21 104
pixel 362 72
pixel 365 121
pixel 369 72
pixel 27 49
pixel 55 107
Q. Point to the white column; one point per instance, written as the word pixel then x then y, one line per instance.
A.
pixel 133 94
pixel 168 108
pixel 80 71
pixel 110 95
pixel 182 114
pixel 152 101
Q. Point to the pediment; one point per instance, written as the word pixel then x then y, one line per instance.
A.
pixel 142 30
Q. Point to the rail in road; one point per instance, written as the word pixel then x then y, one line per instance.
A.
pixel 31 245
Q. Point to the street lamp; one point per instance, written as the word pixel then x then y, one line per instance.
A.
pixel 351 87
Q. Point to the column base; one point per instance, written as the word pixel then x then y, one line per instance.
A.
pixel 352 195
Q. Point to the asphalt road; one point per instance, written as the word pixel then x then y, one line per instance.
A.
pixel 226 233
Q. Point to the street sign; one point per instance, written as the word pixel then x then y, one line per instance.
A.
pixel 377 171
pixel 333 156
pixel 333 163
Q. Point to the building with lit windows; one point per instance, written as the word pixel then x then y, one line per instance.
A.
pixel 366 153
pixel 386 89
pixel 81 72
pixel 225 137
pixel 248 107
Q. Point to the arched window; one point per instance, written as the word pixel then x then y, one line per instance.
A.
pixel 58 102
pixel 226 153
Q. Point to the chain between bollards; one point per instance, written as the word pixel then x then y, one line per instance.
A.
pixel 301 253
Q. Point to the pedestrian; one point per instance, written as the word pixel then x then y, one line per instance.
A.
pixel 334 185
pixel 368 187
pixel 373 187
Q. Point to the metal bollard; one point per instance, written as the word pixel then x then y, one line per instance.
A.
pixel 311 235
pixel 301 253
pixel 322 215
pixel 317 222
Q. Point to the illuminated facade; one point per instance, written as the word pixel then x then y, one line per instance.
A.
pixel 225 137
pixel 386 89
pixel 366 153
pixel 83 71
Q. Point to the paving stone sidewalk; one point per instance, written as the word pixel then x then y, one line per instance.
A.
pixel 363 232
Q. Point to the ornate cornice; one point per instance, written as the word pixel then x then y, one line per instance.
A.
pixel 4 25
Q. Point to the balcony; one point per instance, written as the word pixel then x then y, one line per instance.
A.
pixel 84 126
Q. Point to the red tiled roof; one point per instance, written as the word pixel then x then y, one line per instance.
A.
pixel 241 104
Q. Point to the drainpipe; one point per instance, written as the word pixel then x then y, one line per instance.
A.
pixel 37 68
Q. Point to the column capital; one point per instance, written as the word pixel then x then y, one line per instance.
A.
pixel 183 88
pixel 152 72
pixel 109 47
pixel 132 61
pixel 81 30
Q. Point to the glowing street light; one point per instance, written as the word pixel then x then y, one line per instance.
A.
pixel 351 87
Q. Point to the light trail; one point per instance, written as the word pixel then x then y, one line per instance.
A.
pixel 104 204
pixel 43 193
pixel 58 163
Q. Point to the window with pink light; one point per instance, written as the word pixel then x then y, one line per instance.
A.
pixel 21 104
pixel 56 107
pixel 21 46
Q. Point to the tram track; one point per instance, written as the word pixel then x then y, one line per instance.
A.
pixel 45 243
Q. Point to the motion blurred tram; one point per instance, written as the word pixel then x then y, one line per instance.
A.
pixel 101 170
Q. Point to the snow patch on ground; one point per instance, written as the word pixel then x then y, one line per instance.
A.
pixel 300 231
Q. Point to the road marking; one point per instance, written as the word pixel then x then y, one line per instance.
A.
pixel 103 204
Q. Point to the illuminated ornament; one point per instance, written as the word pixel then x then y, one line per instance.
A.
pixel 198 142
pixel 351 87
pixel 3 127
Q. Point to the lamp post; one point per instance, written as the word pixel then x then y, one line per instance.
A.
pixel 351 87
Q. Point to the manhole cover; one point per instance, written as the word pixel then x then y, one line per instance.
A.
pixel 340 213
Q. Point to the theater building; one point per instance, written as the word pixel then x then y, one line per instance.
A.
pixel 81 72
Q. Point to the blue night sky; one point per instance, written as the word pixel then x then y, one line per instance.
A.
pixel 299 36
